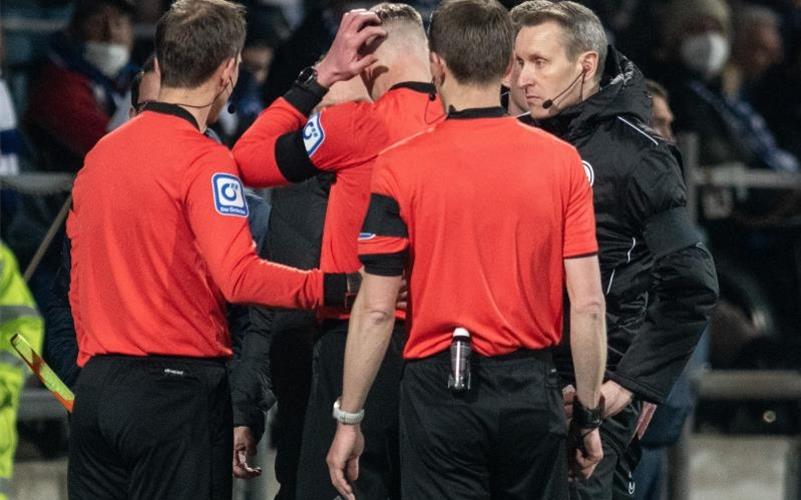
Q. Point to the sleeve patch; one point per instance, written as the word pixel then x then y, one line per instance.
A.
pixel 229 195
pixel 313 134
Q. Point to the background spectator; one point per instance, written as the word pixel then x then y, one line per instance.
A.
pixel 77 92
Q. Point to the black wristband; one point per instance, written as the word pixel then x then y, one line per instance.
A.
pixel 303 99
pixel 584 418
pixel 335 289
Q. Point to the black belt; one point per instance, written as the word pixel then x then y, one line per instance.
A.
pixel 159 358
pixel 477 359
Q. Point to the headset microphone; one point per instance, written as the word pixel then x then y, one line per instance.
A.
pixel 231 108
pixel 549 102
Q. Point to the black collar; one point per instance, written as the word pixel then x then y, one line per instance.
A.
pixel 422 87
pixel 171 109
pixel 493 112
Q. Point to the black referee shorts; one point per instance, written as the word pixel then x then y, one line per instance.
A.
pixel 151 428
pixel 503 440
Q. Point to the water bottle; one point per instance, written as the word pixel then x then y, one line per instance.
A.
pixel 459 378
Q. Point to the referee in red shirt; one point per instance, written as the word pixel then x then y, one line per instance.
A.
pixel 160 243
pixel 489 219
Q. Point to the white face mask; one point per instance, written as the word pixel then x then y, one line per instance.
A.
pixel 109 58
pixel 706 53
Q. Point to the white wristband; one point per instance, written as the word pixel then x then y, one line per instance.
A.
pixel 347 418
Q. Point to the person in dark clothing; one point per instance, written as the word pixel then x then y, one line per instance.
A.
pixel 277 368
pixel 658 277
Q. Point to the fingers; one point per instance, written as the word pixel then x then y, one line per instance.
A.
pixel 363 63
pixel 369 36
pixel 352 469
pixel 644 421
pixel 340 483
pixel 360 18
pixel 241 469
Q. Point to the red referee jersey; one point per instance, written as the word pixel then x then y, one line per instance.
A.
pixel 160 242
pixel 344 139
pixel 482 210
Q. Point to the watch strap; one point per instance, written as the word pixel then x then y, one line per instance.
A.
pixel 586 418
pixel 345 417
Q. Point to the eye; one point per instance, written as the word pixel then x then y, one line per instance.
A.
pixel 519 62
pixel 540 62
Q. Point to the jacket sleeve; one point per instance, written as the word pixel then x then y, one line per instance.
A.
pixel 251 384
pixel 251 387
pixel 61 343
pixel 684 285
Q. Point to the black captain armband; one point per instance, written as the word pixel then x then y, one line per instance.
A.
pixel 292 159
pixel 670 231
pixel 384 264
pixel 383 221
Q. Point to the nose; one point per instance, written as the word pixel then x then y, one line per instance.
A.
pixel 525 76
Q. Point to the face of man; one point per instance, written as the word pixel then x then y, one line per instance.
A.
pixel 257 59
pixel 544 70
pixel 517 97
pixel 148 91
pixel 662 118
pixel 108 25
pixel 763 50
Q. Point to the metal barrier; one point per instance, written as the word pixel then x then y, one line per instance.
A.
pixel 756 385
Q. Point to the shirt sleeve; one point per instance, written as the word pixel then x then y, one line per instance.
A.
pixel 215 204
pixel 257 154
pixel 579 229
pixel 343 136
pixel 384 240
pixel 282 146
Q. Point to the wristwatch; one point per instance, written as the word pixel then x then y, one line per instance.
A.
pixel 347 418
pixel 307 79
pixel 585 418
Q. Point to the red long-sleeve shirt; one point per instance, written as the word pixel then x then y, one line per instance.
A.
pixel 160 242
pixel 344 139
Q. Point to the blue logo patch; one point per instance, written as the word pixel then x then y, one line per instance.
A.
pixel 313 134
pixel 366 236
pixel 229 195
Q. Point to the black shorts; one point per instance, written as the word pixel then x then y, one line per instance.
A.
pixel 504 439
pixel 151 428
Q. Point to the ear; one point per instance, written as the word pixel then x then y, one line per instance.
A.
pixel 438 67
pixel 589 65
pixel 228 68
pixel 508 77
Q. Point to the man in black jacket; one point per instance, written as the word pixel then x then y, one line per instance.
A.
pixel 659 279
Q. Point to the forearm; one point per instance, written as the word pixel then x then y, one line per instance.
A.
pixel 588 347
pixel 259 152
pixel 685 291
pixel 369 333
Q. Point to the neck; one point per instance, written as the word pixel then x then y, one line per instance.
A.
pixel 402 69
pixel 462 97
pixel 198 101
